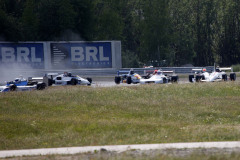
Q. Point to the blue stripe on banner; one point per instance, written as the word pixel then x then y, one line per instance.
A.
pixel 22 55
pixel 81 55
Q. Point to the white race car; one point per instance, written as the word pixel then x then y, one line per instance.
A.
pixel 69 79
pixel 159 77
pixel 219 74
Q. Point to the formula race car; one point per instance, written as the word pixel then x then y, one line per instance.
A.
pixel 128 78
pixel 21 84
pixel 219 74
pixel 69 79
pixel 160 76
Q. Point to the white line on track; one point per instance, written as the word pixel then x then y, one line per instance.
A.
pixel 118 148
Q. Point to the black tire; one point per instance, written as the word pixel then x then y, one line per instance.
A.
pixel 73 81
pixel 41 86
pixel 174 79
pixel 89 80
pixel 117 79
pixel 191 78
pixel 224 77
pixel 164 80
pixel 129 80
pixel 198 78
pixel 232 76
pixel 51 82
pixel 13 87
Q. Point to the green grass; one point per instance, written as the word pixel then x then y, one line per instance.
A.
pixel 236 68
pixel 83 116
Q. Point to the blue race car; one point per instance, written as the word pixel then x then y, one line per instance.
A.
pixel 21 84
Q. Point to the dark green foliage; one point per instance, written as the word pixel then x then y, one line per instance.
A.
pixel 109 23
pixel 130 60
pixel 182 42
pixel 8 27
pixel 56 17
pixel 156 28
pixel 84 19
pixel 29 22
pixel 199 32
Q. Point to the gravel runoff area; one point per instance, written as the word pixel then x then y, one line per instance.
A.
pixel 177 149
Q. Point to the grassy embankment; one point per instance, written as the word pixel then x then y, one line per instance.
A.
pixel 83 116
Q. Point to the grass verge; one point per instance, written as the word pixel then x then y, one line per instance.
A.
pixel 82 116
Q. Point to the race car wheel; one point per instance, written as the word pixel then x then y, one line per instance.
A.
pixel 174 79
pixel 41 86
pixel 117 80
pixel 51 82
pixel 164 80
pixel 13 87
pixel 224 77
pixel 198 78
pixel 73 81
pixel 129 80
pixel 232 76
pixel 90 81
pixel 191 78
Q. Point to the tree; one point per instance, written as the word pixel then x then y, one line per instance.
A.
pixel 182 29
pixel 85 22
pixel 56 17
pixel 229 36
pixel 29 22
pixel 8 27
pixel 109 22
pixel 156 36
pixel 205 15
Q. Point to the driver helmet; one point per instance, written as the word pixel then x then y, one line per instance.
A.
pixel 131 71
pixel 17 80
pixel 155 71
pixel 217 69
pixel 159 72
pixel 65 74
pixel 204 70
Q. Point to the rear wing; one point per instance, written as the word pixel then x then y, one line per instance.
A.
pixel 168 71
pixel 197 69
pixel 226 69
pixel 151 71
pixel 43 79
pixel 52 74
pixel 123 72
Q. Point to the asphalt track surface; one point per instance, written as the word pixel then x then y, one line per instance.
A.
pixel 226 146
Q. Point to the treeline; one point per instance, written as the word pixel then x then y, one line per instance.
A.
pixel 163 32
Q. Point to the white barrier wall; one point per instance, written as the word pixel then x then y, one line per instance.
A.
pixel 61 55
